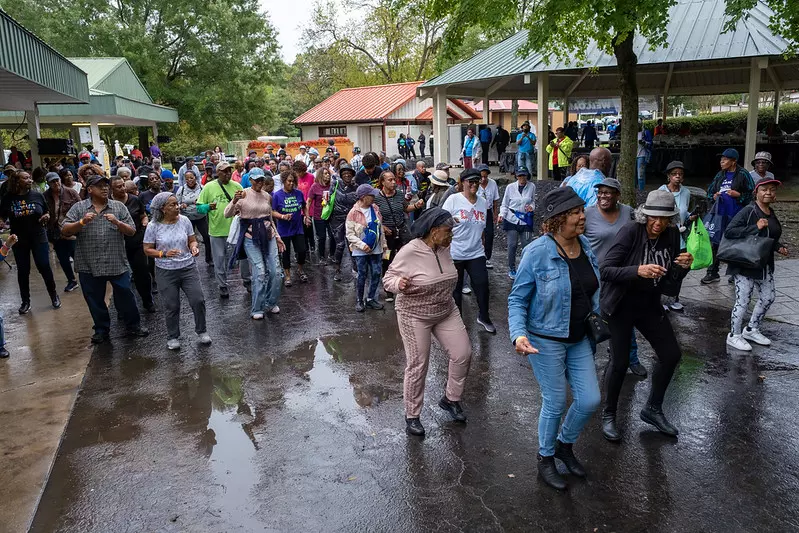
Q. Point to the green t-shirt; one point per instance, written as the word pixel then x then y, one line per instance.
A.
pixel 218 225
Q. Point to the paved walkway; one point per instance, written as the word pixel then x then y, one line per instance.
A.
pixel 722 294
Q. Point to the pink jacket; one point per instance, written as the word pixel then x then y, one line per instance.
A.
pixel 356 225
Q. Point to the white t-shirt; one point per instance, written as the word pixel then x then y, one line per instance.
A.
pixel 167 237
pixel 490 194
pixel 470 222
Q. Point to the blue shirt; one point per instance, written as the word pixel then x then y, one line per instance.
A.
pixel 289 203
pixel 525 142
pixel 468 144
pixel 485 135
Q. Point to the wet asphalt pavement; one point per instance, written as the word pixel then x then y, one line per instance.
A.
pixel 295 423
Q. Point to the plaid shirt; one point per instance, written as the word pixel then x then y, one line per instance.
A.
pixel 100 247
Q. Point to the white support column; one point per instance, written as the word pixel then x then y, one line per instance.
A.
pixel 565 111
pixel 486 110
pixel 34 131
pixel 542 126
pixel 666 88
pixel 440 131
pixel 95 131
pixel 751 119
pixel 777 96
pixel 155 133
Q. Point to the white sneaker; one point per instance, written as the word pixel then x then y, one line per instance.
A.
pixel 275 310
pixel 205 338
pixel 677 306
pixel 466 290
pixel 173 344
pixel 755 336
pixel 258 316
pixel 489 265
pixel 738 342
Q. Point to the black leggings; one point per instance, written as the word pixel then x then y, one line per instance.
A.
pixel 140 268
pixel 644 313
pixel 478 279
pixel 299 249
pixel 489 233
pixel 200 226
pixel 310 242
pixel 323 233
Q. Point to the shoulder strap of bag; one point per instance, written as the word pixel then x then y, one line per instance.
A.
pixel 569 263
pixel 229 199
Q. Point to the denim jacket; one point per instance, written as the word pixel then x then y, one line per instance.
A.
pixel 540 301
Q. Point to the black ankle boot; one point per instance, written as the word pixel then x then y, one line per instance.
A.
pixel 413 426
pixel 549 473
pixel 654 415
pixel 565 453
pixel 609 429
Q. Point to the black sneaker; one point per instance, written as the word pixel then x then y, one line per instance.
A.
pixel 710 278
pixel 4 353
pixel 337 276
pixel 488 325
pixel 359 306
pixel 224 292
pixel 248 286
pixel 24 308
pixel 639 370
pixel 374 304
pixel 71 286
pixel 99 338
pixel 414 427
pixel 453 408
pixel 139 332
pixel 56 301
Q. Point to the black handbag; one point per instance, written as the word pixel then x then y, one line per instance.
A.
pixel 752 251
pixel 596 327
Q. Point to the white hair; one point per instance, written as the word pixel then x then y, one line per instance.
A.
pixel 124 170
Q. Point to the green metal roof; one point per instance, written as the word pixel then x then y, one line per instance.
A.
pixel 695 34
pixel 113 75
pixel 33 72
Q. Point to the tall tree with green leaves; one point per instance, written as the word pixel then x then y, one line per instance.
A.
pixel 216 62
pixel 559 28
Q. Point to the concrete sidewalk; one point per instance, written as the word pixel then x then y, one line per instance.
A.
pixel 722 294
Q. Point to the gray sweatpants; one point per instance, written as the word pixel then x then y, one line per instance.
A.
pixel 170 283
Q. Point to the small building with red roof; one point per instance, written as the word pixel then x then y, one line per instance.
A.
pixel 374 117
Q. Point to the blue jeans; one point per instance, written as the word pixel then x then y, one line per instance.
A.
pixel 634 350
pixel 557 364
pixel 372 266
pixel 525 159
pixel 640 172
pixel 93 288
pixel 266 280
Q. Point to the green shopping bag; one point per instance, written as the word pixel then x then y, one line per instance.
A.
pixel 327 209
pixel 698 245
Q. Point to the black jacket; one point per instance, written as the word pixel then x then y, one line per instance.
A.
pixel 345 199
pixel 619 268
pixel 745 223
pixel 741 182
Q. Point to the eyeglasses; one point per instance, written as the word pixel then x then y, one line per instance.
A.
pixel 605 193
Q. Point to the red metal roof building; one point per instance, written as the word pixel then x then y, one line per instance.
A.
pixel 373 117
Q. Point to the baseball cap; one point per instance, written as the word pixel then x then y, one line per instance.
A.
pixel 366 190
pixel 443 166
pixel 51 176
pixel 94 179
pixel 609 182
pixel 222 165
pixel 730 153
pixel 257 174
pixel 470 174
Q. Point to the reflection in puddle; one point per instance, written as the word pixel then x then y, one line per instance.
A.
pixel 332 392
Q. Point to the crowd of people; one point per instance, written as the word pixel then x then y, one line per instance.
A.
pixel 598 271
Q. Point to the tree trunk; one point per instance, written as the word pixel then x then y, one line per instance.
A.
pixel 628 65
pixel 514 115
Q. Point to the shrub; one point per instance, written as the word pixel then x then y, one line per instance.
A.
pixel 724 123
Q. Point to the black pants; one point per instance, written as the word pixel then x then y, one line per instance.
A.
pixel 323 232
pixel 644 313
pixel 489 233
pixel 298 241
pixel 714 268
pixel 340 234
pixel 485 146
pixel 478 279
pixel 64 249
pixel 558 173
pixel 310 241
pixel 589 144
pixel 201 226
pixel 421 149
pixel 41 258
pixel 500 151
pixel 411 152
pixel 141 273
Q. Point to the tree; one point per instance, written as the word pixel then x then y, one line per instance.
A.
pixel 216 62
pixel 555 28
pixel 784 20
pixel 397 41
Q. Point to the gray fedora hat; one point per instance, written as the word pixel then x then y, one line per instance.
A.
pixel 660 204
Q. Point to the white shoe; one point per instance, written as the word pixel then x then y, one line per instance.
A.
pixel 677 306
pixel 173 344
pixel 205 338
pixel 738 342
pixel 275 310
pixel 258 316
pixel 489 265
pixel 466 290
pixel 755 336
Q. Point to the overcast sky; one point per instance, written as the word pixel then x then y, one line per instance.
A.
pixel 286 16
